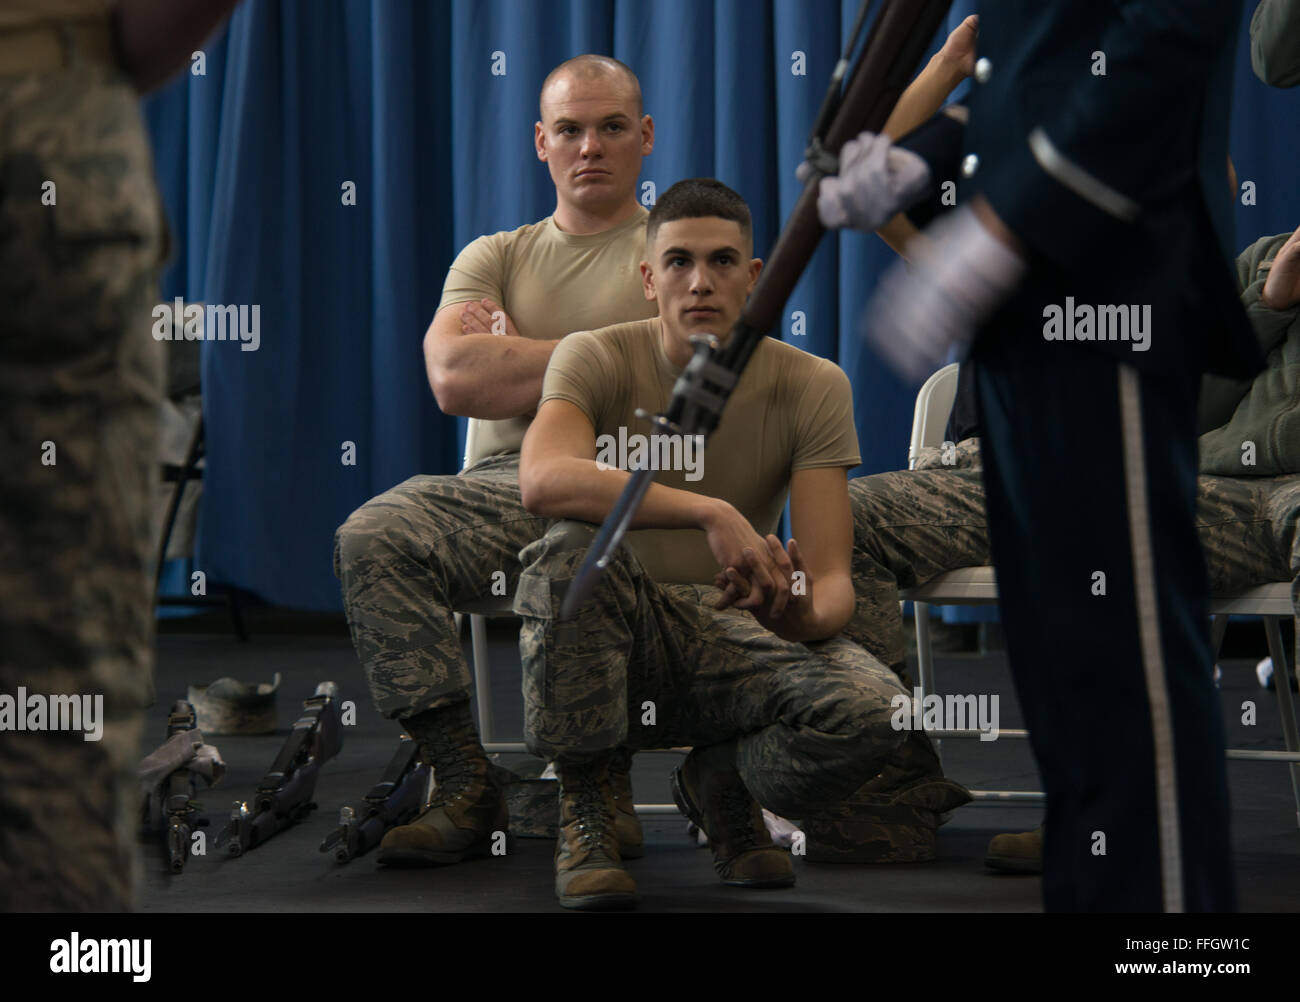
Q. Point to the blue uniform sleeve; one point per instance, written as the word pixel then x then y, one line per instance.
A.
pixel 1107 145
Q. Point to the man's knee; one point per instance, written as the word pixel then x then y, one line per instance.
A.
pixel 565 540
pixel 866 500
pixel 547 564
pixel 865 696
pixel 377 534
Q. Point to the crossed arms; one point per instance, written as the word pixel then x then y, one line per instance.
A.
pixel 477 373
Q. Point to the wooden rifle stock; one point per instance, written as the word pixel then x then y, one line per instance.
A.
pixel 898 38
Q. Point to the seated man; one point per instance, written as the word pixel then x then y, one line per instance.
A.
pixel 777 705
pixel 914 525
pixel 410 556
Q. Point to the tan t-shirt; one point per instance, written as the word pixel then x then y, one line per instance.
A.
pixel 550 283
pixel 789 411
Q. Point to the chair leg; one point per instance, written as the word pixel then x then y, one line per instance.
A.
pixel 236 616
pixel 925 659
pixel 482 676
pixel 187 473
pixel 1282 685
pixel 1218 627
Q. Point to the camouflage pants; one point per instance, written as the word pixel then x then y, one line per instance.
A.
pixel 1248 531
pixel 655 666
pixel 407 558
pixel 912 526
pixel 80 383
pixel 909 527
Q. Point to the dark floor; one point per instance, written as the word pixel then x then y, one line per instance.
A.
pixel 290 874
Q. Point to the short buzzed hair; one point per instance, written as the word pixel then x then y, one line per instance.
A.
pixel 593 67
pixel 695 198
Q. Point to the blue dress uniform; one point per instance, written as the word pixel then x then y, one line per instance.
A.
pixel 1098 133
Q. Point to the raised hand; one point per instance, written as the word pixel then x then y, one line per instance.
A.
pixel 736 545
pixel 789 614
pixel 1282 287
pixel 876 181
pixel 959 49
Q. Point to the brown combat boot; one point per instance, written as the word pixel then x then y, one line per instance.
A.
pixel 1021 853
pixel 631 839
pixel 468 807
pixel 709 791
pixel 589 872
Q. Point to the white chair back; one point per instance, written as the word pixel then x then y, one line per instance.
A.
pixel 471 437
pixel 933 405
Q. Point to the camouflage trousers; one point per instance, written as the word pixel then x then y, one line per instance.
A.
pixel 652 665
pixel 914 525
pixel 81 238
pixel 410 556
pixel 1248 532
pixel 908 527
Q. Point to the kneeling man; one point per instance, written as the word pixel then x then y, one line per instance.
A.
pixel 704 631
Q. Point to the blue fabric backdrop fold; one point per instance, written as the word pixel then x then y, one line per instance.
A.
pixel 398 97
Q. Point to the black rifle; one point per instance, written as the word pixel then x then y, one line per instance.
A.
pixel 177 795
pixel 395 800
pixel 889 57
pixel 284 795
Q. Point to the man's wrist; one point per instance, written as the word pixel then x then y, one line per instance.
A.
pixel 995 227
pixel 706 511
pixel 951 72
pixel 1273 301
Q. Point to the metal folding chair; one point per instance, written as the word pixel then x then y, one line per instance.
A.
pixel 978 586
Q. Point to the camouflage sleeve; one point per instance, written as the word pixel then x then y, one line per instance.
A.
pixel 1275 42
pixel 1220 395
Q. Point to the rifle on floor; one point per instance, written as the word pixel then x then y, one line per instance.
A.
pixel 893 49
pixel 171 775
pixel 395 800
pixel 182 787
pixel 284 795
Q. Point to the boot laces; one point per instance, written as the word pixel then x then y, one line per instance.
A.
pixel 453 772
pixel 589 808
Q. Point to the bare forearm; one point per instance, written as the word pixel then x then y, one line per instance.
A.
pixel 158 36
pixel 923 97
pixel 899 233
pixel 488 375
pixel 568 487
pixel 833 602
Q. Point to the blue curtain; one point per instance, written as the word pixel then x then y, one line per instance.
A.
pixel 300 99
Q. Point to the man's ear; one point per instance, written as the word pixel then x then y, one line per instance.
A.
pixel 648 282
pixel 647 135
pixel 755 266
pixel 539 141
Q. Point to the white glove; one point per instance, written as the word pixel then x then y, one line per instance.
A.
pixel 960 276
pixel 876 181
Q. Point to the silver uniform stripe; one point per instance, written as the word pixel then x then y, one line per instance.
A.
pixel 1139 520
pixel 1079 181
